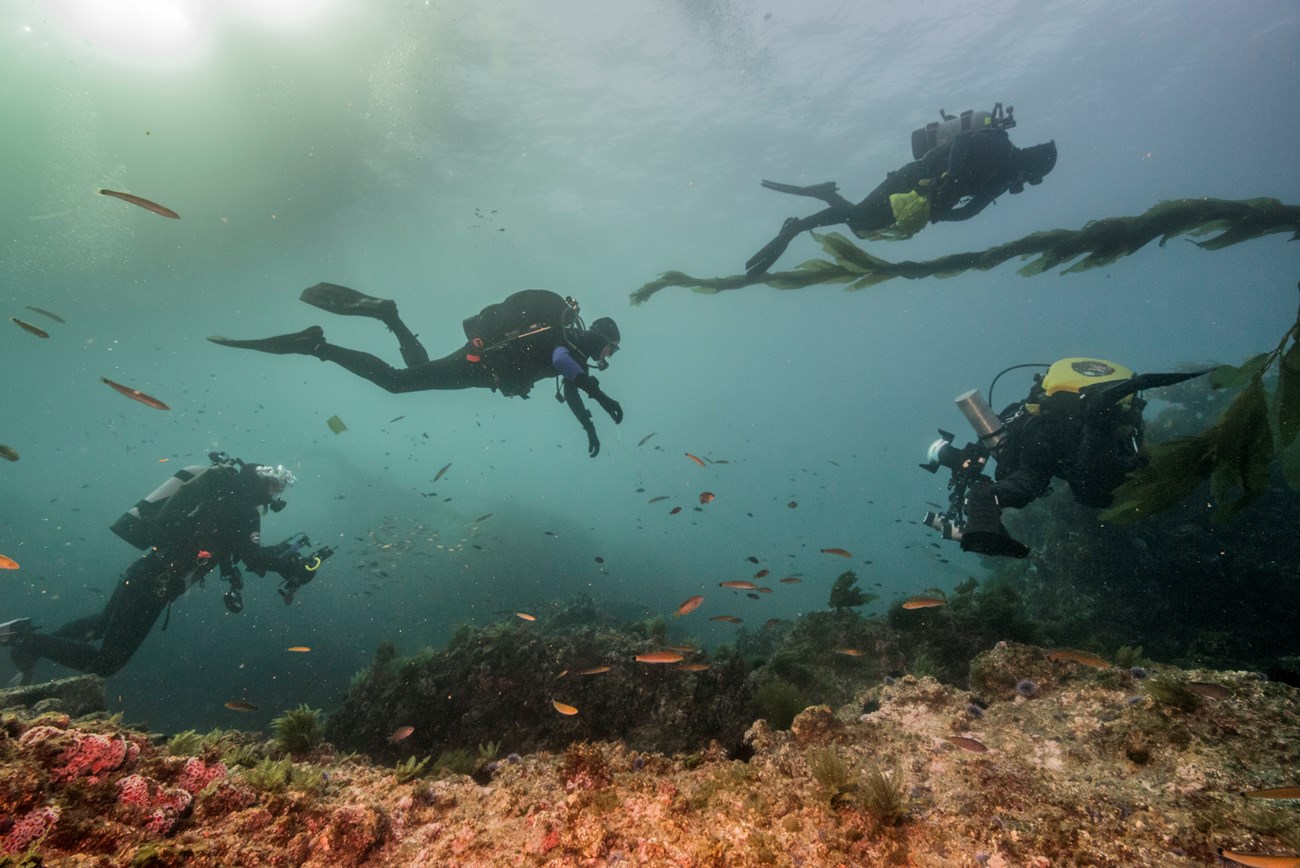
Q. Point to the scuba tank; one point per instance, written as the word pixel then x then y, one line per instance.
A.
pixel 939 133
pixel 521 316
pixel 136 524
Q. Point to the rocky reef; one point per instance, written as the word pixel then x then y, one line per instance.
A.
pixel 1047 758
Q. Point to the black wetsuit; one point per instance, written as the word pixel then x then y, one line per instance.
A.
pixel 975 166
pixel 959 178
pixel 510 368
pixel 1093 456
pixel 210 522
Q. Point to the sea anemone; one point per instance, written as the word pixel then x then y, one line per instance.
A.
pixel 1026 688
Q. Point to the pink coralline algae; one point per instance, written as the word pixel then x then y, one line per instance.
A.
pixel 30 828
pixel 198 773
pixel 84 754
pixel 162 807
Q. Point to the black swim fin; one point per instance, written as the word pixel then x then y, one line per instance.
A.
pixel 772 250
pixel 306 342
pixel 1103 396
pixel 347 302
pixel 827 191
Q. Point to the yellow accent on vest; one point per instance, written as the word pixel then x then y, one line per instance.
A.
pixel 1070 375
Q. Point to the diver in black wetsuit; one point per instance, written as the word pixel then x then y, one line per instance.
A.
pixel 954 180
pixel 531 335
pixel 1081 422
pixel 202 519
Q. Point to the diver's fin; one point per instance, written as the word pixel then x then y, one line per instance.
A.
pixel 306 342
pixel 347 302
pixel 1103 396
pixel 827 191
pixel 997 545
pixel 772 250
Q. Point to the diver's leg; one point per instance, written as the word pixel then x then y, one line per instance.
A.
pixel 413 352
pixel 126 620
pixel 453 371
pixel 876 212
pixel 346 301
pixel 771 252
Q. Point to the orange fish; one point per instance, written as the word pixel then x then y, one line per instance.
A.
pixel 923 602
pixel 1275 793
pixel 595 670
pixel 697 460
pixel 849 652
pixel 707 496
pixel 740 586
pixel 136 395
pixel 143 203
pixel 765 590
pixel 791 580
pixel 240 705
pixel 1260 860
pixel 965 743
pixel 29 328
pixel 684 649
pixel 400 733
pixel 844 553
pixel 762 574
pixel 693 667
pixel 525 616
pixel 8 563
pixel 659 657
pixel 299 649
pixel 674 510
pixel 730 619
pixel 562 708
pixel 690 605
pixel 1079 657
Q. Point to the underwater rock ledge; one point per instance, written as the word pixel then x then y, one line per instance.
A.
pixel 1049 761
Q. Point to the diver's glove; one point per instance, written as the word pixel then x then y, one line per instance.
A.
pixel 984 533
pixel 590 385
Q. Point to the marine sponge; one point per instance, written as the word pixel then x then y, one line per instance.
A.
pixel 33 825
pixel 79 753
pixel 197 773
pixel 163 806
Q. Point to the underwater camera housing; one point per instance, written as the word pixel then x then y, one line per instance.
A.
pixel 967 463
pixel 288 554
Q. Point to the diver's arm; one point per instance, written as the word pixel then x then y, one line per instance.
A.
pixel 580 412
pixel 1022 486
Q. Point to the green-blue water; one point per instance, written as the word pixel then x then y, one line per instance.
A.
pixel 447 154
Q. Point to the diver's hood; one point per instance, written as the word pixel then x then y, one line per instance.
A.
pixel 1037 161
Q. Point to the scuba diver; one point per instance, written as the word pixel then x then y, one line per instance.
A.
pixel 531 335
pixel 202 518
pixel 960 166
pixel 1081 422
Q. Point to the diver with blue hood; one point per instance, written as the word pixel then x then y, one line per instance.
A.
pixel 530 336
pixel 203 518
pixel 960 166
